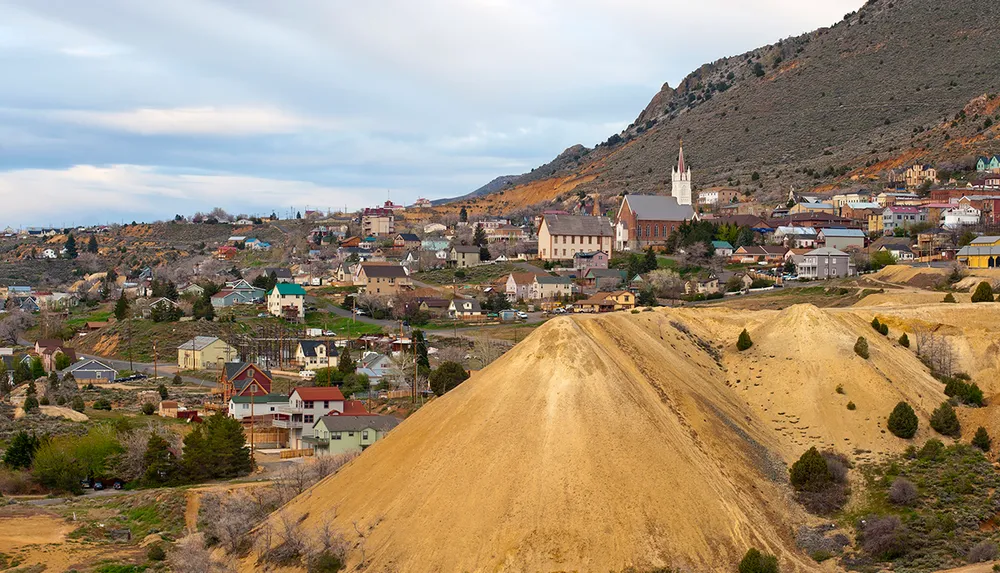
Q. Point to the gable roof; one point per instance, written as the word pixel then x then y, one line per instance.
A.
pixel 522 278
pixel 593 273
pixel 314 393
pixel 827 251
pixel 384 271
pixel 466 249
pixel 578 225
pixel 658 208
pixel 90 364
pixel 198 343
pixel 845 233
pixel 234 369
pixel 985 240
pixel 309 347
pixel 588 254
pixel 344 423
pixel 279 273
pixel 266 399
pixel 722 245
pixel 408 237
pixel 466 305
pixel 288 289
pixel 550 280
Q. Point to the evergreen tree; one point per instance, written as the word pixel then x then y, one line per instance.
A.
pixel 30 404
pixel 484 253
pixel 904 341
pixel 77 404
pixel 447 376
pixel 861 347
pixel 4 379
pixel 984 293
pixel 22 373
pixel 62 361
pixel 71 246
pixel 744 342
pixel 479 236
pixel 423 361
pixel 216 449
pixel 949 298
pixel 810 472
pixel 298 214
pixel 649 262
pixel 160 464
pixel 92 244
pixel 945 421
pixel 345 363
pixel 202 308
pixel 982 439
pixel 37 371
pixel 21 451
pixel 463 215
pixel 121 307
pixel 756 562
pixel 162 389
pixel 903 421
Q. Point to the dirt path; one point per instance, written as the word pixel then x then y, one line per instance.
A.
pixel 194 500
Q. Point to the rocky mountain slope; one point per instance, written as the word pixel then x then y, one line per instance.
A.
pixel 635 440
pixel 896 82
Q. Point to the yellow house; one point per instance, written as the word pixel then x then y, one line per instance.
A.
pixel 876 223
pixel 812 208
pixel 561 237
pixel 203 352
pixel 982 253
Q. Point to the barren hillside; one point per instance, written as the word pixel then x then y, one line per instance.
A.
pixel 897 82
pixel 606 442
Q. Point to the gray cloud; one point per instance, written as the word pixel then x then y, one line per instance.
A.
pixel 115 99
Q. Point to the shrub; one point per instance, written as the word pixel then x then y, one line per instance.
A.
pixel 177 380
pixel 861 347
pixel 326 562
pixel 902 492
pixel 148 409
pixel 78 405
pixel 156 553
pixel 931 451
pixel 162 389
pixel 447 376
pixel 44 401
pixel 982 439
pixel 882 537
pixel 984 293
pixel 21 451
pixel 949 298
pixel 102 404
pixel 810 472
pixel 756 562
pixel 876 325
pixel 982 552
pixel 967 393
pixel 945 422
pixel 884 329
pixel 744 342
pixel 904 341
pixel 903 421
pixel 30 403
pixel 840 389
pixel 851 406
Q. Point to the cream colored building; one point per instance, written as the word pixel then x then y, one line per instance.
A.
pixel 202 352
pixel 561 237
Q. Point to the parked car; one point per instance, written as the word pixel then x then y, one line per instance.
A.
pixel 522 315
pixel 309 374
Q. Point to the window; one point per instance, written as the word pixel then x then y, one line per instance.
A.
pixel 308 405
pixel 350 434
pixel 572 240
pixel 364 435
pixel 335 435
pixel 308 419
pixel 590 240
pixel 326 404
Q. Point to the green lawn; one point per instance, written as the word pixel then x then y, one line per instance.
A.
pixel 96 316
pixel 340 324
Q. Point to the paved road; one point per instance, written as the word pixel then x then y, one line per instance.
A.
pixel 147 368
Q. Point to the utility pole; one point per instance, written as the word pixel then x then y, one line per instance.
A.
pixel 128 327
pixel 154 361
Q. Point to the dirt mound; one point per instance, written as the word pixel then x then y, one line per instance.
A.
pixel 640 440
pixel 56 412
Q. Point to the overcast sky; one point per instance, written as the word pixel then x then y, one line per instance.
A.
pixel 117 110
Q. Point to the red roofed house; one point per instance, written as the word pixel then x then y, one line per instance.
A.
pixel 305 406
pixel 753 254
pixel 244 379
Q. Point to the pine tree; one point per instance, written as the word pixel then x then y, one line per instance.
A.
pixel 945 421
pixel 982 439
pixel 984 293
pixel 71 246
pixel 92 244
pixel 479 236
pixel 162 389
pixel 423 361
pixel 37 370
pixel 159 461
pixel 903 421
pixel 650 262
pixel 463 215
pixel 21 451
pixel 4 379
pixel 121 307
pixel 949 298
pixel 810 472
pixel 744 342
pixel 345 363
pixel 904 341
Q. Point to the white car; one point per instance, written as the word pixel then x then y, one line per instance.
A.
pixel 522 315
pixel 308 374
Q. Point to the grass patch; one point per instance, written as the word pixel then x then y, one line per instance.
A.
pixel 339 324
pixel 473 275
pixel 80 321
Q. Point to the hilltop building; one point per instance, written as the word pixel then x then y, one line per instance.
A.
pixel 680 185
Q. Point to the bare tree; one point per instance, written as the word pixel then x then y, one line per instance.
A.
pixel 189 555
pixel 401 370
pixel 665 282
pixel 13 325
pixel 485 350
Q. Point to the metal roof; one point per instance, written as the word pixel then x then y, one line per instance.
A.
pixel 578 225
pixel 658 208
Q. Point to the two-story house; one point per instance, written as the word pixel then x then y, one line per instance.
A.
pixel 546 287
pixel 245 379
pixel 561 237
pixel 465 309
pixel 407 241
pixel 825 263
pixel 841 239
pixel 382 279
pixel 316 354
pixel 902 217
pixel 288 301
pixel 464 256
pixel 586 260
pixel 343 434
pixel 306 406
pixel 518 285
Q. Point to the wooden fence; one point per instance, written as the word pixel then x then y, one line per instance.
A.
pixel 287 454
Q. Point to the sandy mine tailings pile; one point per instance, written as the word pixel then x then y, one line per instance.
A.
pixel 592 446
pixel 626 439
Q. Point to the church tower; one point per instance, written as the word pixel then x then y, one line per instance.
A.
pixel 680 187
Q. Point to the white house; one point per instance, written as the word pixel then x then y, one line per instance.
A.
pixel 304 407
pixel 960 217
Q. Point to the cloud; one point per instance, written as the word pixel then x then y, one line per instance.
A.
pixel 431 98
pixel 89 193
pixel 231 121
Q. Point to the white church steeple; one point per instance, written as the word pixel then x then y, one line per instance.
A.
pixel 680 187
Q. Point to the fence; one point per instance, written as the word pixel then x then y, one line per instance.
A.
pixel 287 454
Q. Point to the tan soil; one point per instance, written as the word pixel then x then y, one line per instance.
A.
pixel 603 442
pixel 55 412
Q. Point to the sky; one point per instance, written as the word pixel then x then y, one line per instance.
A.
pixel 122 110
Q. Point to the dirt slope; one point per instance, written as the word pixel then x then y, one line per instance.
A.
pixel 641 440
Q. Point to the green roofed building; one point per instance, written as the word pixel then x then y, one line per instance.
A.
pixel 242 407
pixel 288 301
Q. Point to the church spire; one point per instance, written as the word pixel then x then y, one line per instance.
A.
pixel 680 161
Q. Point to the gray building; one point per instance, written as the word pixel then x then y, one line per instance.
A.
pixel 825 263
pixel 842 238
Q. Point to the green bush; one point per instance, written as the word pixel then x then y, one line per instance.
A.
pixel 30 404
pixel 177 380
pixel 984 293
pixel 326 562
pixel 756 562
pixel 21 450
pixel 148 409
pixel 861 347
pixel 851 406
pixel 931 451
pixel 744 342
pixel 904 341
pixel 156 553
pixel 447 376
pixel 945 422
pixel 884 329
pixel 967 393
pixel 77 404
pixel 876 325
pixel 949 298
pixel 102 404
pixel 162 389
pixel 810 472
pixel 903 421
pixel 982 439
pixel 44 401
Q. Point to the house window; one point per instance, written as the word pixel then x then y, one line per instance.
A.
pixel 335 435
pixel 364 435
pixel 350 434
pixel 572 240
pixel 590 240
pixel 308 405
pixel 308 419
pixel 326 404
